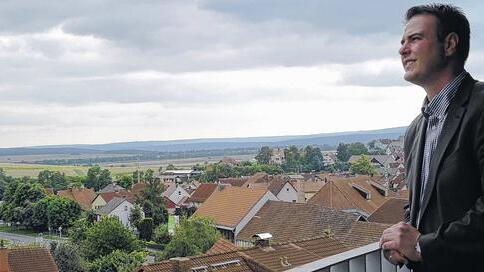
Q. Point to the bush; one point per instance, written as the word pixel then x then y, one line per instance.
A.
pixel 145 228
pixel 161 235
pixel 118 261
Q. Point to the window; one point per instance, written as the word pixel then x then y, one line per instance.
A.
pixel 179 192
pixel 125 208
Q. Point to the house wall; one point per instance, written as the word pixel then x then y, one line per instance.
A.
pixel 98 202
pixel 287 193
pixel 178 194
pixel 123 211
pixel 268 196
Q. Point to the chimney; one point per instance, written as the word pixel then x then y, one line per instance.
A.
pixel 180 264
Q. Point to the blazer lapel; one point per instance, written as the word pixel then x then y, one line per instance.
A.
pixel 455 113
pixel 414 173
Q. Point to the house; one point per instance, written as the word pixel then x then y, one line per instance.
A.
pixel 237 182
pixel 294 221
pixel 283 189
pixel 306 189
pixel 277 156
pixel 231 208
pixel 359 195
pixel 391 212
pixel 201 194
pixel 26 259
pixel 176 193
pixel 178 175
pixel 103 198
pixel 119 207
pixel 82 196
pixel 138 189
pixel 112 187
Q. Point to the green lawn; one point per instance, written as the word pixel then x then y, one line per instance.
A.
pixel 31 233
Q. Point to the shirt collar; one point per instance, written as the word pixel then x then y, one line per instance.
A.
pixel 439 104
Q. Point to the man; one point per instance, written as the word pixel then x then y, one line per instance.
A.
pixel 444 149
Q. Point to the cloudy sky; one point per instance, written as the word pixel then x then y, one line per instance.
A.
pixel 110 71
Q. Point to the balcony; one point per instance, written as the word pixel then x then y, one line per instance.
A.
pixel 368 258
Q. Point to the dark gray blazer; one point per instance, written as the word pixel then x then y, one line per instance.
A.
pixel 452 216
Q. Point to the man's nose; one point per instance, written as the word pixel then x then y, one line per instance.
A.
pixel 403 49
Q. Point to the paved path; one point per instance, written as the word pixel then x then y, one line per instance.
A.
pixel 20 239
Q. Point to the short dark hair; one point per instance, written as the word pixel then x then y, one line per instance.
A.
pixel 449 19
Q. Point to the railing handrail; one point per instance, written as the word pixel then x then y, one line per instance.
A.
pixel 336 259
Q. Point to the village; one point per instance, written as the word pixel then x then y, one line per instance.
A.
pixel 264 221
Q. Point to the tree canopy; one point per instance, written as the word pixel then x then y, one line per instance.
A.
pixel 264 155
pixel 363 166
pixel 193 236
pixel 98 178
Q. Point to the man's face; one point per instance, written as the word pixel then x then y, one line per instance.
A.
pixel 421 52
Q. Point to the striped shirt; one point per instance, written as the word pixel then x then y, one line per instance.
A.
pixel 435 113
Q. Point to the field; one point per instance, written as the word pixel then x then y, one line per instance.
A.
pixel 32 170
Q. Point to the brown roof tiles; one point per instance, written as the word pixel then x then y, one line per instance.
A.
pixel 202 192
pixel 222 246
pixel 230 205
pixel 391 212
pixel 82 196
pixel 27 260
pixel 352 193
pixel 295 221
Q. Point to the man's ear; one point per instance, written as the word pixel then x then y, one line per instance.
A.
pixel 450 44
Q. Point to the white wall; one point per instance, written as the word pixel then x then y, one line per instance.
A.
pixel 287 193
pixel 178 194
pixel 123 211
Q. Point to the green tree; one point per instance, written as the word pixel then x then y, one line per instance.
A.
pixel 357 149
pixel 135 216
pixel 18 201
pixel 55 212
pixel 53 179
pixel 78 231
pixel 171 167
pixel 98 178
pixel 313 159
pixel 105 236
pixel 362 166
pixel 343 153
pixel 193 236
pixel 292 160
pixel 125 181
pixel 264 155
pixel 4 180
pixel 66 257
pixel 138 176
pixel 145 228
pixel 152 200
pixel 161 234
pixel 118 261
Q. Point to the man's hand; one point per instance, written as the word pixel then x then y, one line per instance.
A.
pixel 403 238
pixel 394 257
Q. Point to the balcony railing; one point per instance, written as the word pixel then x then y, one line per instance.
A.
pixel 368 258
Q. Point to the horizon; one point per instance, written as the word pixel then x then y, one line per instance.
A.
pixel 73 74
pixel 201 139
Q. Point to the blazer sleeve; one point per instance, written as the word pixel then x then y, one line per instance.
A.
pixel 461 240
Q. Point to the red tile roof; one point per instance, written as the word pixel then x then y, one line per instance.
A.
pixel 82 196
pixel 230 205
pixel 202 192
pixel 391 212
pixel 222 246
pixel 27 260
pixel 295 221
pixel 108 196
